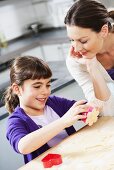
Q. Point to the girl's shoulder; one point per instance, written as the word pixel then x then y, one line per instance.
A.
pixel 17 116
pixel 59 103
pixel 57 99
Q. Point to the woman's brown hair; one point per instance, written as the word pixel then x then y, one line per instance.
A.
pixel 111 16
pixel 88 14
pixel 23 68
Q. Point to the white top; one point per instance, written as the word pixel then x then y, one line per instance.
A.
pixel 48 117
pixel 79 72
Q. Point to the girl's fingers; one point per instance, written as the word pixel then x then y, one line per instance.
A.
pixel 80 102
pixel 81 117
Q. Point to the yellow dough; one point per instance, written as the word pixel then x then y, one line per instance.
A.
pixel 92 117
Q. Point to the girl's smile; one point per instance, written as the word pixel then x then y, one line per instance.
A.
pixel 34 94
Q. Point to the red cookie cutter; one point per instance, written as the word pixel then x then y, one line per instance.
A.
pixel 51 159
pixel 85 113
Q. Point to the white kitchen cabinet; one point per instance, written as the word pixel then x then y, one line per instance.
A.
pixel 9 159
pixel 59 9
pixel 41 9
pixel 53 52
pixel 36 52
pixel 66 47
pixel 42 13
pixel 72 91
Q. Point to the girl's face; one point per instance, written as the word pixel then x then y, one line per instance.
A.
pixel 33 95
pixel 85 41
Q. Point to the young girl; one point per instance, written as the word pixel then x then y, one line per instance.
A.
pixel 89 28
pixel 38 121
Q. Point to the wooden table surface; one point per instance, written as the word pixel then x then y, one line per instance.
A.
pixel 91 148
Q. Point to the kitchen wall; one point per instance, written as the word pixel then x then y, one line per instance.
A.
pixel 16 15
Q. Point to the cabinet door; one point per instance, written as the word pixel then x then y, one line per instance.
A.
pixel 59 9
pixel 40 9
pixel 43 13
pixel 53 52
pixel 66 47
pixel 36 52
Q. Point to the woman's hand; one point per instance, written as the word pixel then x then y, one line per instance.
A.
pixel 81 58
pixel 74 113
pixel 74 54
pixel 91 64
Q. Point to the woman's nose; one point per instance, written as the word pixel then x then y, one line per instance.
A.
pixel 77 46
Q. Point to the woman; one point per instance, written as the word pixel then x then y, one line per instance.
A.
pixel 90 29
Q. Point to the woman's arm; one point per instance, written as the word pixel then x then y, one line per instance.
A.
pixel 101 89
pixel 93 84
pixel 80 74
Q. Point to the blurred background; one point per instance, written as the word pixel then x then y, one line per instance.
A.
pixel 34 27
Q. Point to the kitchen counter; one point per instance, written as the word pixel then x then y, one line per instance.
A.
pixel 89 149
pixel 20 45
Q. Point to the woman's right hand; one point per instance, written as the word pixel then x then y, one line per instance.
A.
pixel 74 54
pixel 74 113
pixel 77 56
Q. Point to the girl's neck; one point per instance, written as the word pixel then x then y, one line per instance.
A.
pixel 32 112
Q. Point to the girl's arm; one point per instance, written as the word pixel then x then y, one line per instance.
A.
pixel 38 138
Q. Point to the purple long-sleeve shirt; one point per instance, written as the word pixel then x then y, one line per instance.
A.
pixel 20 124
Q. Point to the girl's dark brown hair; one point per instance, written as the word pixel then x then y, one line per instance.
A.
pixel 23 68
pixel 88 14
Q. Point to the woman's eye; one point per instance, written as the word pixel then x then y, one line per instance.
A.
pixel 71 40
pixel 83 42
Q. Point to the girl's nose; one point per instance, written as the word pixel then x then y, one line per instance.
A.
pixel 45 90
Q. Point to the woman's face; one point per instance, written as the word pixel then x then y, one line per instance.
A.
pixel 85 41
pixel 34 94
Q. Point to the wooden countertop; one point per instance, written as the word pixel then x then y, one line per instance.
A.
pixel 91 148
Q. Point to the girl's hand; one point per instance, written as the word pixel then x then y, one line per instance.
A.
pixel 74 113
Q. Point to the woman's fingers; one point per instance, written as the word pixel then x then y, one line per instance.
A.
pixel 74 54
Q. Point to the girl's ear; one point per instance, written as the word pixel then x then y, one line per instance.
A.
pixel 104 30
pixel 15 89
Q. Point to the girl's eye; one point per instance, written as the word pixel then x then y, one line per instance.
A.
pixel 49 85
pixel 36 87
